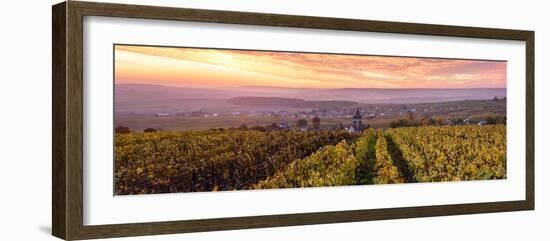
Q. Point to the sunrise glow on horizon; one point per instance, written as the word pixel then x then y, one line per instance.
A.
pixel 214 68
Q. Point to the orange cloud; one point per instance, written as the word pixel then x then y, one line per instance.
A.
pixel 192 67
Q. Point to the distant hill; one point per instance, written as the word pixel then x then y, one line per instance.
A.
pixel 151 99
pixel 289 102
pixel 378 95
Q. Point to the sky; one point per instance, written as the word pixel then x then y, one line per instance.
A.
pixel 218 68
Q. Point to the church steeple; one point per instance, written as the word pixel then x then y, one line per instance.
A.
pixel 357 122
pixel 357 114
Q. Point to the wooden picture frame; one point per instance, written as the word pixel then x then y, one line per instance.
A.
pixel 67 124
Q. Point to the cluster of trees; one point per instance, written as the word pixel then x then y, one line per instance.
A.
pixel 126 130
pixel 411 121
pixel 315 122
pixel 245 127
pixel 122 130
pixel 492 120
pixel 300 124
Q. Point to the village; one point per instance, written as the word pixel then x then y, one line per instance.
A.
pixel 356 118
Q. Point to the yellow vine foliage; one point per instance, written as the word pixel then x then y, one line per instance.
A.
pixel 453 153
pixel 218 160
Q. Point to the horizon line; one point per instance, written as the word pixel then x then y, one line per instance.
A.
pixel 282 87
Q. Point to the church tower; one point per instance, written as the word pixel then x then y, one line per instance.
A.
pixel 357 122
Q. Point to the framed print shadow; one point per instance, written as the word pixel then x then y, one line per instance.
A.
pixel 171 120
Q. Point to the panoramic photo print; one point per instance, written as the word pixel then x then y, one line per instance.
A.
pixel 203 119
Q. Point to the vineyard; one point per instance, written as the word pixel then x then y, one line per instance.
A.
pixel 218 160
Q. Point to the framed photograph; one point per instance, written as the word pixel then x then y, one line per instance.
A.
pixel 171 120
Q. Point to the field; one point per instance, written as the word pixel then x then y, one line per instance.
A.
pixel 474 109
pixel 220 160
pixel 202 123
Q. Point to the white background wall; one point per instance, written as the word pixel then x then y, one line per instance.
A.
pixel 25 126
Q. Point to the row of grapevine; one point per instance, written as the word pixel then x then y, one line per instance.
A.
pixel 386 171
pixel 365 152
pixel 333 165
pixel 330 166
pixel 452 153
pixel 362 144
pixel 342 164
pixel 187 161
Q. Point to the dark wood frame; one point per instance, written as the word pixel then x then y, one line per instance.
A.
pixel 67 123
